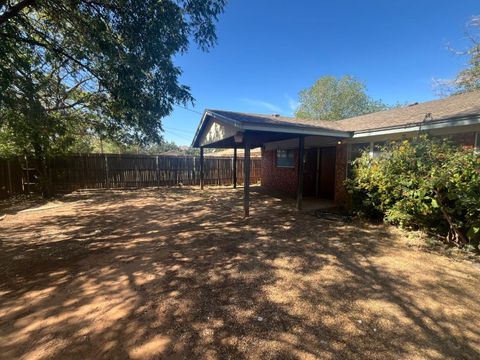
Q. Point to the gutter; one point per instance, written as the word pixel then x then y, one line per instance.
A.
pixel 420 126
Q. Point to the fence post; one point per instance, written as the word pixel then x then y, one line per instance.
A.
pixel 157 171
pixel 234 167
pixel 9 177
pixel 28 175
pixel 136 175
pixel 193 171
pixel 106 172
pixel 202 159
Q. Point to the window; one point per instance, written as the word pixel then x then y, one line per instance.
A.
pixel 285 158
pixel 378 148
pixel 358 149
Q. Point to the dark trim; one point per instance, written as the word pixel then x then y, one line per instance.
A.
pixel 234 170
pixel 246 177
pixel 301 152
pixel 201 167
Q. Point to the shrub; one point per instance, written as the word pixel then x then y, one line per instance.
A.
pixel 424 183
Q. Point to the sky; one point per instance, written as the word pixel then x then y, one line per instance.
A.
pixel 268 51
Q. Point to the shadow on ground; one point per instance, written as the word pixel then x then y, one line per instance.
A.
pixel 179 273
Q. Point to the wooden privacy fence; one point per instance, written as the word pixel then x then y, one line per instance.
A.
pixel 97 171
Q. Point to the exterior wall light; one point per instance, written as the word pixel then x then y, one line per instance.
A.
pixel 238 137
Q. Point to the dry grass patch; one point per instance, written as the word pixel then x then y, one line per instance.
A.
pixel 177 273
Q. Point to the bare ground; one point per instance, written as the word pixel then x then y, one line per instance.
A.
pixel 177 273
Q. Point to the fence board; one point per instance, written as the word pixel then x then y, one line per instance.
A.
pixel 98 171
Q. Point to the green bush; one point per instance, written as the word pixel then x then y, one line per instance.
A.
pixel 424 183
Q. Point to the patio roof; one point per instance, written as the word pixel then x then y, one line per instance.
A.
pixel 462 109
pixel 265 127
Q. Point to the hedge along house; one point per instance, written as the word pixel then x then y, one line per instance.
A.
pixel 328 147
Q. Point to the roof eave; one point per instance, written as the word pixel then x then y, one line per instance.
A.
pixel 291 129
pixel 200 128
pixel 294 129
pixel 420 126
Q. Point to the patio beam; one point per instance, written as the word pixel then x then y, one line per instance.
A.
pixel 234 168
pixel 202 158
pixel 301 151
pixel 246 178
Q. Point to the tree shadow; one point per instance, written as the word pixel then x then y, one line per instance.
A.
pixel 177 273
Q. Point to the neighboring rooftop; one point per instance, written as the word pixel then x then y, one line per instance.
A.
pixel 455 106
pixel 257 152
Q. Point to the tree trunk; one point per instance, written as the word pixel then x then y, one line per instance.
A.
pixel 42 168
pixel 454 234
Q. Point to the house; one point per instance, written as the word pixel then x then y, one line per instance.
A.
pixel 328 147
pixel 254 153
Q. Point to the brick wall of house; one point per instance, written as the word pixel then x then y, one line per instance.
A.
pixel 277 178
pixel 285 179
pixel 341 196
pixel 467 140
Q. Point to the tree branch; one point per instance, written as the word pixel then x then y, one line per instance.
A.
pixel 14 10
pixel 52 48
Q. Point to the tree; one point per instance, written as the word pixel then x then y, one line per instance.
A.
pixel 468 79
pixel 73 68
pixel 334 99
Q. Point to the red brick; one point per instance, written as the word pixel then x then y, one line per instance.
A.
pixel 278 178
pixel 341 195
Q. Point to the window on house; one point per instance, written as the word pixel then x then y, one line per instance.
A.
pixel 356 150
pixel 378 148
pixel 285 158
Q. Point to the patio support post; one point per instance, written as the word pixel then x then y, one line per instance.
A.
pixel 246 178
pixel 301 151
pixel 201 167
pixel 234 168
pixel 317 173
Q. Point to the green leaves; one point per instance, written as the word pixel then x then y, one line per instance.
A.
pixel 333 99
pixel 424 183
pixel 107 60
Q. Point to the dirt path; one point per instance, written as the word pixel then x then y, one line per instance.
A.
pixel 180 274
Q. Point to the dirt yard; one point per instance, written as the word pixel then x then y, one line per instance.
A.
pixel 179 274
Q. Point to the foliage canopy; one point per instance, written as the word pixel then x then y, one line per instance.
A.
pixel 334 99
pixel 425 183
pixel 69 69
pixel 109 60
pixel 468 79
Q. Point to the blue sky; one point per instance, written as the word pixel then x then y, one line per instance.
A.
pixel 268 51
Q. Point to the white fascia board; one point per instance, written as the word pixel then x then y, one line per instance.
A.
pixel 295 130
pixel 200 126
pixel 418 127
pixel 282 128
pixel 216 116
pixel 224 118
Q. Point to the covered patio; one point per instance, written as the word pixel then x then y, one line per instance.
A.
pixel 228 130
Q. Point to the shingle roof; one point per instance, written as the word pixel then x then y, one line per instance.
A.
pixel 448 108
pixel 455 106
pixel 263 119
